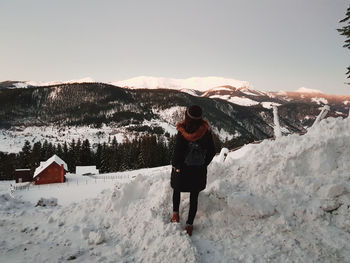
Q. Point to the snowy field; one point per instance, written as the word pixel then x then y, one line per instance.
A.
pixel 12 140
pixel 78 187
pixel 279 201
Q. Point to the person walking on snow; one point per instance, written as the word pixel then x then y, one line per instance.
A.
pixel 194 150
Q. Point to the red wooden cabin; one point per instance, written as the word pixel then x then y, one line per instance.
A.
pixel 51 171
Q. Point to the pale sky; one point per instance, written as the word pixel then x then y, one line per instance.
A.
pixel 273 44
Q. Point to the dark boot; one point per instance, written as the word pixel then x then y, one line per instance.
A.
pixel 189 229
pixel 175 218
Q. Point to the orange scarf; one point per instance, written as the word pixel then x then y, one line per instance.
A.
pixel 193 136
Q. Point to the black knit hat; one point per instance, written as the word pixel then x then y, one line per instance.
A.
pixel 194 112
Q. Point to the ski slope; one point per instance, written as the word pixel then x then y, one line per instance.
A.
pixel 279 201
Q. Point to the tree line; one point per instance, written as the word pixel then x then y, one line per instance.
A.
pixel 142 152
pixel 345 31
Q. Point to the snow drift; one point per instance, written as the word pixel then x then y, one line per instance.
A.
pixel 280 201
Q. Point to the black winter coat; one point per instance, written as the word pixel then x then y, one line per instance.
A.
pixel 191 178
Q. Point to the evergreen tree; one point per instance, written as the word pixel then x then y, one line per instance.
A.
pixel 124 162
pixel 161 152
pixel 44 150
pixel 65 152
pixel 50 150
pixel 59 151
pixel 71 161
pixel 25 155
pixel 114 143
pixel 35 156
pixel 104 168
pixel 153 148
pixel 145 151
pixel 77 152
pixel 124 158
pixel 140 161
pixel 114 153
pixel 345 31
pixel 98 156
pixel 134 154
pixel 86 154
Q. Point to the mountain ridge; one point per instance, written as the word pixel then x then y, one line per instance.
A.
pixel 103 110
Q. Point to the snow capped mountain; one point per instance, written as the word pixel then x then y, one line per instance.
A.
pixel 306 90
pixel 189 85
pixel 137 109
pixel 50 83
pixel 232 90
pixel 119 111
pixel 235 91
pixel 196 83
pixel 28 84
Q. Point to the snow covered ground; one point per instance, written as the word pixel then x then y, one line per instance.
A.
pixel 236 100
pixel 12 140
pixel 279 201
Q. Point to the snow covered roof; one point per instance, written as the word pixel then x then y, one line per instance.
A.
pixel 44 165
pixel 86 170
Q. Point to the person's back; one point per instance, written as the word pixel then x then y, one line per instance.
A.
pixel 194 150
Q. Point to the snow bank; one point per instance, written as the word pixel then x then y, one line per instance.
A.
pixel 124 224
pixel 299 184
pixel 279 201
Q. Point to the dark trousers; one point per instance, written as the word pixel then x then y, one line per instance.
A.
pixel 193 204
